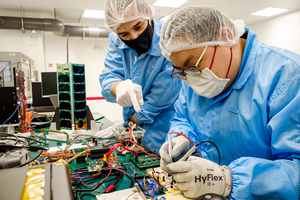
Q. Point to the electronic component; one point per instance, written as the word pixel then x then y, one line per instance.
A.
pixel 8 105
pixel 94 165
pixel 16 157
pixel 149 187
pixel 145 161
pixel 165 179
pixel 56 185
pixel 98 152
pixel 123 133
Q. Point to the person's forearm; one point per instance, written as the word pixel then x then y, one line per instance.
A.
pixel 113 87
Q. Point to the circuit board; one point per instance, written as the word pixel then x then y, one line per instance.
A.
pixel 94 167
pixel 123 133
pixel 150 187
pixel 166 180
pixel 145 161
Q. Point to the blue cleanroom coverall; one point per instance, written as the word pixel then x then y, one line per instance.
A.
pixel 150 70
pixel 255 123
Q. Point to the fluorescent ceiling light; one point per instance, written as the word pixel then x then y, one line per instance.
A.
pixel 165 18
pixel 167 3
pixel 267 12
pixel 94 14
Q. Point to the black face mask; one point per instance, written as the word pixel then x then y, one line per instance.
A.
pixel 142 43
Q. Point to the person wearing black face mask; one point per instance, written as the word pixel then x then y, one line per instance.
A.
pixel 142 43
pixel 137 75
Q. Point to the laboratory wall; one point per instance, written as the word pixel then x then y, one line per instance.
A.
pixel 85 52
pixel 27 43
pixel 282 31
pixel 82 51
pixel 47 49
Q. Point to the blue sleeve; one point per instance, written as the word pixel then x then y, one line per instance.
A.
pixel 256 178
pixel 164 91
pixel 181 123
pixel 113 69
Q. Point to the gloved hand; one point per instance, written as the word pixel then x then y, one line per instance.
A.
pixel 108 132
pixel 128 94
pixel 197 176
pixel 180 145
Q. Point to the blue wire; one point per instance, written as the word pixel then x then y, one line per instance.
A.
pixel 10 116
pixel 60 149
pixel 10 65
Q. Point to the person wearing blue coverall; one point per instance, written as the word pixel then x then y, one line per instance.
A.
pixel 137 75
pixel 240 94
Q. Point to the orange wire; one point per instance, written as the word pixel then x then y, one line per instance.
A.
pixel 149 197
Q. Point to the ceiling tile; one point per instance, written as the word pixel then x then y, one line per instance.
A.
pixel 266 3
pixel 162 11
pixel 95 4
pixel 70 4
pixel 290 5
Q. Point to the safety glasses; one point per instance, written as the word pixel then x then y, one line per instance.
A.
pixel 193 70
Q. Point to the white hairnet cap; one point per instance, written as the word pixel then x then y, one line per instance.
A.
pixel 198 26
pixel 118 12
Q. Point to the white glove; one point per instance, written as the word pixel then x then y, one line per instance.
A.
pixel 197 176
pixel 129 94
pixel 180 145
pixel 108 132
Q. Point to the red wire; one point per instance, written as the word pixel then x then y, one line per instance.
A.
pixel 187 139
pixel 140 148
pixel 24 105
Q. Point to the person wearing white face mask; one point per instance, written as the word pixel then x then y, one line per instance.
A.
pixel 239 94
pixel 204 82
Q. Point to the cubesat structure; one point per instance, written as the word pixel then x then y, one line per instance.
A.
pixel 72 112
pixel 72 96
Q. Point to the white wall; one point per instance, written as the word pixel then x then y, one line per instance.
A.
pixel 45 48
pixel 94 64
pixel 282 31
pixel 27 43
pixel 56 50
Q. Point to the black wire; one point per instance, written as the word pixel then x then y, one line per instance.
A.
pixel 116 182
pixel 81 169
pixel 86 194
pixel 212 144
pixel 95 178
pixel 19 136
pixel 30 160
pixel 92 189
pixel 17 139
pixel 41 142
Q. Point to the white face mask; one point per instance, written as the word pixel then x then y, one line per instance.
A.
pixel 207 84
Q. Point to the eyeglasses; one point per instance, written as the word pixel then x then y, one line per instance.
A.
pixel 193 70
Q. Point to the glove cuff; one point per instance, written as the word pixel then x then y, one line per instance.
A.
pixel 228 180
